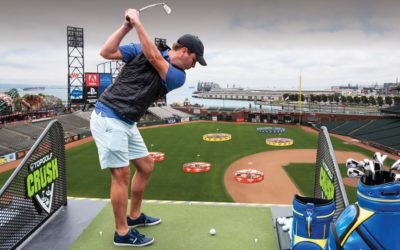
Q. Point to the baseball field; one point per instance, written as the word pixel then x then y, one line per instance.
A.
pixel 192 203
pixel 183 143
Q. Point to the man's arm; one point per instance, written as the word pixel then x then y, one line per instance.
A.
pixel 149 50
pixel 110 49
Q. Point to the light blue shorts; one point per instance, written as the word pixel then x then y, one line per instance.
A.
pixel 117 142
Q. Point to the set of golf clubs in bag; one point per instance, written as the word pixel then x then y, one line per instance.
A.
pixel 370 223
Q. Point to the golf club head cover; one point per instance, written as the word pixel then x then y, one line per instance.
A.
pixel 311 220
pixel 374 222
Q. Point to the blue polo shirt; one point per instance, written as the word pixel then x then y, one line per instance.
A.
pixel 175 78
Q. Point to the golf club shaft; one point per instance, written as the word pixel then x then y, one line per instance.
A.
pixel 145 7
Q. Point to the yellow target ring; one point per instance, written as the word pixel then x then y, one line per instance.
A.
pixel 216 137
pixel 279 142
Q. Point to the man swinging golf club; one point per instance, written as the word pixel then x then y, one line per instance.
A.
pixel 149 73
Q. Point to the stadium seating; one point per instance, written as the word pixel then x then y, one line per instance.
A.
pixel 26 129
pixel 385 132
pixel 160 112
pixel 376 126
pixel 177 112
pixel 21 136
pixel 349 127
pixel 331 125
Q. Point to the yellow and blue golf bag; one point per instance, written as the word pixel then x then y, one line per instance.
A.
pixel 373 222
pixel 311 220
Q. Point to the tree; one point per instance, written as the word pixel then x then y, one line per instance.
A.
pixel 379 99
pixel 396 100
pixel 18 103
pixel 285 96
pixel 388 100
pixel 372 100
pixel 318 98
pixel 357 99
pixel 324 98
pixel 312 98
pixel 364 100
pixel 343 99
pixel 336 98
pixel 350 99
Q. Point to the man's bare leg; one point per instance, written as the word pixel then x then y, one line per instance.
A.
pixel 144 168
pixel 119 197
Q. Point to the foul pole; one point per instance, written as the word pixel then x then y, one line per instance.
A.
pixel 299 100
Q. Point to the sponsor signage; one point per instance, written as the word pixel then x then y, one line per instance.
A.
pixel 77 93
pixel 39 183
pixel 92 80
pixel 95 84
pixel 92 83
pixel 7 158
pixel 105 81
pixel 91 94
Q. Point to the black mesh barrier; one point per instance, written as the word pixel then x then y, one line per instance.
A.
pixel 328 180
pixel 35 190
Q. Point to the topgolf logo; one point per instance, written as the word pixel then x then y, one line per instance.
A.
pixel 40 181
pixel 326 182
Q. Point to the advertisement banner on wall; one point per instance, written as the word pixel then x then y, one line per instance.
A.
pixel 7 158
pixel 105 81
pixel 92 83
pixel 76 94
pixel 92 80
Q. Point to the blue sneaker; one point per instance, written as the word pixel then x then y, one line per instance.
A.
pixel 133 238
pixel 143 221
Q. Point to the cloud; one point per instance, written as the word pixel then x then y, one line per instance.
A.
pixel 255 43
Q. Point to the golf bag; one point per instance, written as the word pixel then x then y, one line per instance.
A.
pixel 311 220
pixel 374 222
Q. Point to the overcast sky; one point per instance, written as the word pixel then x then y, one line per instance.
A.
pixel 262 44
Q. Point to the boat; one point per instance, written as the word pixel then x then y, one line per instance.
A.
pixel 33 88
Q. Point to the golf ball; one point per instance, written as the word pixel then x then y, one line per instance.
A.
pixel 213 231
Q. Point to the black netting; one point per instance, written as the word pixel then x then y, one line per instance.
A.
pixel 35 190
pixel 328 180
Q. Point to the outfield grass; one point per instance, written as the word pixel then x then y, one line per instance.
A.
pixel 302 175
pixel 182 143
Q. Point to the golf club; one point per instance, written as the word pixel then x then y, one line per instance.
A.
pixel 167 9
pixel 369 166
pixel 378 160
pixel 397 178
pixel 351 163
pixel 355 173
pixel 395 166
pixel 377 156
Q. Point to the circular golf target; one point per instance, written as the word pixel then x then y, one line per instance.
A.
pixel 157 156
pixel 279 142
pixel 217 137
pixel 196 167
pixel 249 176
pixel 271 130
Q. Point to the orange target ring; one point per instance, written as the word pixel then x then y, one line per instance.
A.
pixel 157 156
pixel 248 176
pixel 196 167
pixel 279 142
